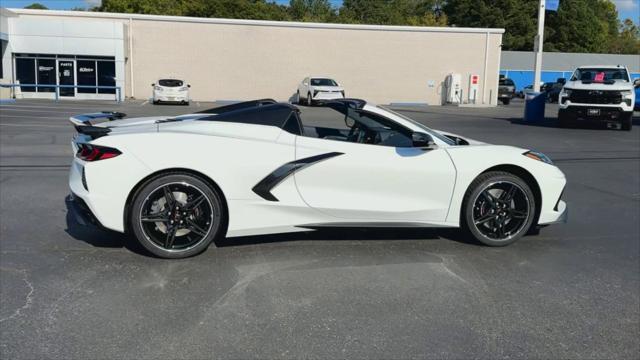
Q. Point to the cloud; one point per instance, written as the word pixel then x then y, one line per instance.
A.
pixel 92 3
pixel 627 5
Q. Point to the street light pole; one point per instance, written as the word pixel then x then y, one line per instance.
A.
pixel 538 47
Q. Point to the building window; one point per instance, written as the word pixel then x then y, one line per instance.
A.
pixel 46 74
pixel 26 73
pixel 86 76
pixel 106 76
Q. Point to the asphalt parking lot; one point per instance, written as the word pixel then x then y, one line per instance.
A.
pixel 573 291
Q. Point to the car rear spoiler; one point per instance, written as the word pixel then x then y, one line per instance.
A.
pixel 87 119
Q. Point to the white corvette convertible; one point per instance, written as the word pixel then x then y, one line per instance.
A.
pixel 255 168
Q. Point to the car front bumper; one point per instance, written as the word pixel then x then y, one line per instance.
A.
pixel 559 215
pixel 328 96
pixel 595 113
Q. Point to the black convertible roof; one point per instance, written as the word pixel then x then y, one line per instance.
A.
pixel 237 106
pixel 275 114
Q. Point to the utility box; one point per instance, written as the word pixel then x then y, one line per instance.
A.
pixel 474 81
pixel 453 88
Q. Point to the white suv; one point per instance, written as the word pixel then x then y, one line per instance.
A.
pixel 314 89
pixel 601 92
pixel 171 90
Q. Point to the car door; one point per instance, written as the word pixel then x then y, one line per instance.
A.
pixel 369 183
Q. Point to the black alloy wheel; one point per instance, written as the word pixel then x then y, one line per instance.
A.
pixel 499 208
pixel 177 215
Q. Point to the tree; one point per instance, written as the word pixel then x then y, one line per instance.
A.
pixel 36 6
pixel 581 26
pixel 518 18
pixel 628 41
pixel 312 11
pixel 232 9
pixel 392 12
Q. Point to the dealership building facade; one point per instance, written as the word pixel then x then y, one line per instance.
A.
pixel 224 59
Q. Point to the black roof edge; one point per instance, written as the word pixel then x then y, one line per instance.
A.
pixel 238 106
pixel 93 131
pixel 350 102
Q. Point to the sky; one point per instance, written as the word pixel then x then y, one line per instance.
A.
pixel 626 8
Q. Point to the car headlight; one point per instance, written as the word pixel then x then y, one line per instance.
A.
pixel 565 92
pixel 157 88
pixel 626 93
pixel 538 156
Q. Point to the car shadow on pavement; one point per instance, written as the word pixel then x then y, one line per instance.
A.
pixel 352 234
pixel 104 238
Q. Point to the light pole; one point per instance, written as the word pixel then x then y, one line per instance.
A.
pixel 538 46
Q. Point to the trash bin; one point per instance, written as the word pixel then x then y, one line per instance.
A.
pixel 534 106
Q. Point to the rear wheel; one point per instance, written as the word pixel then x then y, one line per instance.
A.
pixel 498 208
pixel 506 101
pixel 176 215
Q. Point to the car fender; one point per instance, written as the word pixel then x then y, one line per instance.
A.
pixel 472 161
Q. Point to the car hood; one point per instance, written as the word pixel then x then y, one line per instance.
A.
pixel 618 85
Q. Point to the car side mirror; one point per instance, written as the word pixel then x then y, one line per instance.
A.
pixel 636 83
pixel 422 140
pixel 188 85
pixel 561 81
pixel 154 84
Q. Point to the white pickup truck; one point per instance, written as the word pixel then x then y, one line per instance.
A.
pixel 602 93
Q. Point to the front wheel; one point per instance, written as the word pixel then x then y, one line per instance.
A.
pixel 498 208
pixel 176 215
pixel 627 122
pixel 309 100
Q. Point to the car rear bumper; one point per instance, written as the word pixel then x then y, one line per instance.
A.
pixel 172 97
pixel 81 211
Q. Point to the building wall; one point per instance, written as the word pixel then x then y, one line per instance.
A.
pixel 243 62
pixel 69 35
pixel 244 59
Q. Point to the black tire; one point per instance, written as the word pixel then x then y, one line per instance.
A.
pixel 155 102
pixel 194 207
pixel 504 220
pixel 309 100
pixel 506 101
pixel 298 98
pixel 627 122
pixel 564 121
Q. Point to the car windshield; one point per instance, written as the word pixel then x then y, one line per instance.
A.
pixel 170 82
pixel 323 82
pixel 600 75
pixel 436 134
pixel 507 82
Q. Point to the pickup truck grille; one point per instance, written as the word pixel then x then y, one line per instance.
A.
pixel 596 96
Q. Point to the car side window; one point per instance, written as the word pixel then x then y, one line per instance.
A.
pixel 373 129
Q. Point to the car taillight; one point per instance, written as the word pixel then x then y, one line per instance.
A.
pixel 88 152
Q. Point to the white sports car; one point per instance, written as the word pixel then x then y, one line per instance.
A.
pixel 254 168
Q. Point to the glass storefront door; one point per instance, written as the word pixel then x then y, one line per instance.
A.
pixel 66 76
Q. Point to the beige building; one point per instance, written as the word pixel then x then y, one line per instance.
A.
pixel 226 59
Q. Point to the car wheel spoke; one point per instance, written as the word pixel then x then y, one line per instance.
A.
pixel 519 214
pixel 508 195
pixel 194 203
pixel 483 219
pixel 191 225
pixel 168 196
pixel 159 217
pixel 171 236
